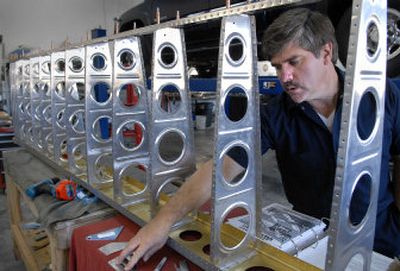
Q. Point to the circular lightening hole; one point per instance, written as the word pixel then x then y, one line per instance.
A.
pixel 102 129
pixel 46 67
pixel 235 104
pixel 30 133
pixel 75 64
pixel 171 146
pixel 167 189
pixel 50 145
pixel 99 62
pixel 60 118
pixel 37 113
pixel 36 88
pixel 372 39
pixel 231 237
pixel 131 135
pixel 60 89
pixel 360 200
pixel 366 115
pixel 79 156
pixel 77 121
pixel 39 138
pixel 27 90
pixel 240 153
pixel 236 49
pixel 60 65
pixel 393 32
pixel 46 90
pixel 170 99
pixel 35 68
pixel 77 91
pixel 129 95
pixel 190 235
pixel 63 151
pixel 168 56
pixel 356 263
pixel 127 59
pixel 20 90
pixel 47 114
pixel 134 179
pixel 22 108
pixel 27 70
pixel 28 109
pixel 103 167
pixel 101 92
pixel 259 268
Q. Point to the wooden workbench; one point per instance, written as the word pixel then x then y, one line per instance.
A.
pixel 51 249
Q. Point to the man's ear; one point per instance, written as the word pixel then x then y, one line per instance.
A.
pixel 326 52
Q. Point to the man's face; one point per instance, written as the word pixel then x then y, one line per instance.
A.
pixel 301 74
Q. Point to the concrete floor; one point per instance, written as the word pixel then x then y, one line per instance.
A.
pixel 273 192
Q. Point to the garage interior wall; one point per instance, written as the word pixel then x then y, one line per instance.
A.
pixel 39 23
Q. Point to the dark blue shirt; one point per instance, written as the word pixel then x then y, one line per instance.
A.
pixel 306 155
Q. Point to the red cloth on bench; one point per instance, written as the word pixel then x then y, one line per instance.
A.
pixel 85 255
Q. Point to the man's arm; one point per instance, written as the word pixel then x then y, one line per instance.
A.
pixel 191 195
pixel 396 179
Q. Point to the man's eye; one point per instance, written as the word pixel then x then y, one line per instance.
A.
pixel 294 62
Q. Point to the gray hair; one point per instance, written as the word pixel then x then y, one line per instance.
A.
pixel 308 29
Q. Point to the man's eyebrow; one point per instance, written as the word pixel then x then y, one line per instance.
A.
pixel 291 58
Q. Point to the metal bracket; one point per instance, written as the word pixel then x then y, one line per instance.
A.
pixel 359 154
pixel 17 88
pixel 171 118
pixel 35 103
pixel 58 106
pixel 99 113
pixel 26 116
pixel 44 110
pixel 236 75
pixel 130 123
pixel 74 114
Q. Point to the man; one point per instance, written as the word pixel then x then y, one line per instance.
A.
pixel 302 125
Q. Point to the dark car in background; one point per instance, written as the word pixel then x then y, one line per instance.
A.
pixel 202 40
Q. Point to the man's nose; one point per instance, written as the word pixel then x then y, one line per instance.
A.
pixel 286 74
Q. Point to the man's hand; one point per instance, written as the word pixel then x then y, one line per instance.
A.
pixel 145 243
pixel 192 194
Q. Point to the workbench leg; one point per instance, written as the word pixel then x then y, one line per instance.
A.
pixel 14 208
pixel 25 251
pixel 59 257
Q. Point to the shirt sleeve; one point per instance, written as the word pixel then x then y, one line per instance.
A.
pixel 266 141
pixel 393 109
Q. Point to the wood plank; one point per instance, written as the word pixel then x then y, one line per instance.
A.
pixel 13 201
pixel 26 252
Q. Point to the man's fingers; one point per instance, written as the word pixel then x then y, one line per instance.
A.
pixel 149 253
pixel 135 257
pixel 127 250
